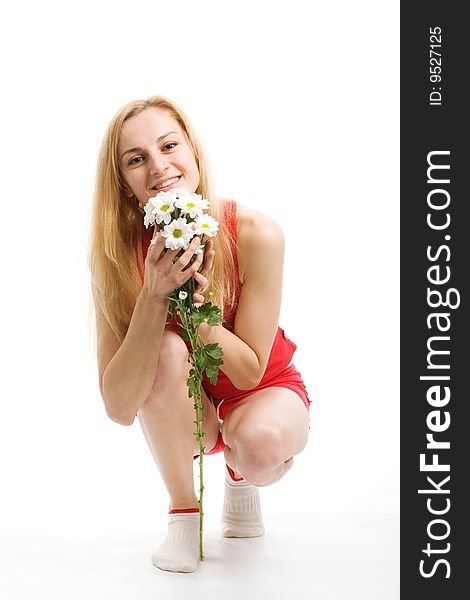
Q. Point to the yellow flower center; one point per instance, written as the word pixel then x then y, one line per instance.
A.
pixel 164 207
pixel 205 226
pixel 177 233
pixel 191 205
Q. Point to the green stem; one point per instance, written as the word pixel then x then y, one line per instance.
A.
pixel 192 332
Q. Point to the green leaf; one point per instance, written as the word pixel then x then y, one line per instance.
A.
pixel 214 316
pixel 214 351
pixel 209 358
pixel 193 388
pixel 196 317
pixel 206 313
pixel 212 373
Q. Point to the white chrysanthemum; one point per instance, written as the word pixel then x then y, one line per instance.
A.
pixel 160 207
pixel 178 234
pixel 194 204
pixel 206 225
pixel 178 193
pixel 149 217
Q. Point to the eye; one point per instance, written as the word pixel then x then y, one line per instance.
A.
pixel 135 160
pixel 170 146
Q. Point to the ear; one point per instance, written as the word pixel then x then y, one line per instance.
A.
pixel 127 190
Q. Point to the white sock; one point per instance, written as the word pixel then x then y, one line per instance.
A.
pixel 180 551
pixel 241 516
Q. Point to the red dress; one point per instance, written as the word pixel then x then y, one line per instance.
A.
pixel 279 370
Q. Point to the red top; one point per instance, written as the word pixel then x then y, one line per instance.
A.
pixel 282 349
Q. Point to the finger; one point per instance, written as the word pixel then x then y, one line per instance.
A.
pixel 202 281
pixel 168 259
pixel 156 247
pixel 189 258
pixel 184 259
pixel 198 299
pixel 192 269
pixel 209 255
pixel 170 255
pixel 195 266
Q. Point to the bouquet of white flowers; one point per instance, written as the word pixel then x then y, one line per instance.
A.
pixel 178 216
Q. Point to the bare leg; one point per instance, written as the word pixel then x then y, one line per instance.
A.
pixel 263 433
pixel 167 421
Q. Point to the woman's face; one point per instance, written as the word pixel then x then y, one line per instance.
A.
pixel 154 155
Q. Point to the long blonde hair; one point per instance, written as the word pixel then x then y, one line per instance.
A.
pixel 115 256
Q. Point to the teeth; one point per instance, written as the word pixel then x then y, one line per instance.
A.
pixel 165 183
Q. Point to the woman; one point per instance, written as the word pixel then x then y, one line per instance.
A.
pixel 258 411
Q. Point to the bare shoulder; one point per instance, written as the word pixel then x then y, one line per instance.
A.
pixel 260 243
pixel 255 229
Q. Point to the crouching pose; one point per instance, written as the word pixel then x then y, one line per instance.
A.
pixel 257 413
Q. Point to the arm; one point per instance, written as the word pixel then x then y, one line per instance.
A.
pixel 127 371
pixel 260 245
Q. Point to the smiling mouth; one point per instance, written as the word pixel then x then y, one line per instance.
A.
pixel 166 183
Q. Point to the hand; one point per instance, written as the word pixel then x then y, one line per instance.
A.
pixel 161 275
pixel 200 277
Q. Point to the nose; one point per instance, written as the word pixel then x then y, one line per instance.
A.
pixel 157 163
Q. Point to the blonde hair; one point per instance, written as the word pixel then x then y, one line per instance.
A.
pixel 115 256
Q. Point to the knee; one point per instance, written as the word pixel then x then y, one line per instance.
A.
pixel 173 355
pixel 261 454
pixel 173 365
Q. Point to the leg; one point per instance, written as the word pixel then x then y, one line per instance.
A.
pixel 262 434
pixel 167 418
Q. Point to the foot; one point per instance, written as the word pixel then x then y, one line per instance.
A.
pixel 180 551
pixel 241 516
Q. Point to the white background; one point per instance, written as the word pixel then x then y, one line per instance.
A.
pixel 297 105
